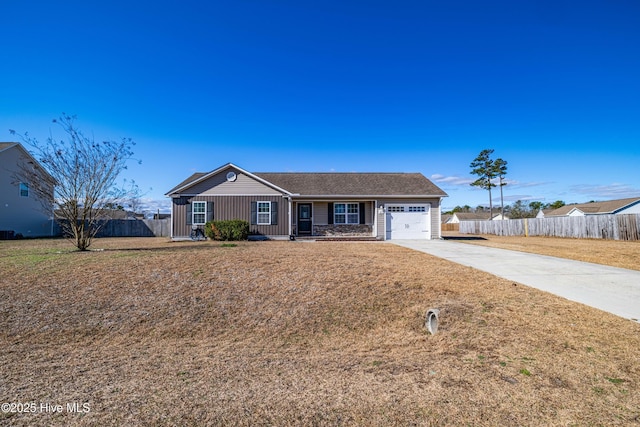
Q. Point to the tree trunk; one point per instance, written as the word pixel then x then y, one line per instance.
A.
pixel 501 200
pixel 490 203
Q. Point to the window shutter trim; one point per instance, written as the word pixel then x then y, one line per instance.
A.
pixel 274 213
pixel 189 213
pixel 254 213
pixel 209 211
pixel 361 211
pixel 330 214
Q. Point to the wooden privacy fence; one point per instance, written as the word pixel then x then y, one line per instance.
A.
pixel 612 227
pixel 129 228
pixel 450 227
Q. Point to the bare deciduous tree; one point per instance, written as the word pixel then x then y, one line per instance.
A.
pixel 85 174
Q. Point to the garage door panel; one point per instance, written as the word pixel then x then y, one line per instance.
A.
pixel 409 221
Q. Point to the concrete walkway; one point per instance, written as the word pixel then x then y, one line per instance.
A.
pixel 615 290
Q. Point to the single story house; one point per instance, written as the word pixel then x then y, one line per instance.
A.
pixel 609 207
pixel 287 205
pixel 22 213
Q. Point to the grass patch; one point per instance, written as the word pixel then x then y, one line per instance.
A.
pixel 156 333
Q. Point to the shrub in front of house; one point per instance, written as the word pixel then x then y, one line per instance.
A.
pixel 233 229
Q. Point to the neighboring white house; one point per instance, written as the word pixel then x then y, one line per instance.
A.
pixel 471 216
pixel 499 217
pixel 609 207
pixel 543 212
pixel 20 211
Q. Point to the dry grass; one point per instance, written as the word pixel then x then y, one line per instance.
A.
pixel 608 252
pixel 287 333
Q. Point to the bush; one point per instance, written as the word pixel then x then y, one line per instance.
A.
pixel 233 229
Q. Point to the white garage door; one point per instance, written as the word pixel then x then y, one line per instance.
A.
pixel 408 221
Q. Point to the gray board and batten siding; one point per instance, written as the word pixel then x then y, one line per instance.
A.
pixel 228 199
pixel 239 208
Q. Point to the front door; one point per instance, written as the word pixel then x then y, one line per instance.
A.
pixel 304 218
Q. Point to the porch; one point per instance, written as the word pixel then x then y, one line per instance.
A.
pixel 334 220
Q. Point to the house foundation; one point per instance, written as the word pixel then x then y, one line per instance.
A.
pixel 343 230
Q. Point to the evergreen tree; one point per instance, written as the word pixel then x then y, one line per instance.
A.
pixel 484 167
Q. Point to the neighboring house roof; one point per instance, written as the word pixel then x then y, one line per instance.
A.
pixel 7 145
pixel 332 184
pixel 596 208
pixel 445 218
pixel 470 216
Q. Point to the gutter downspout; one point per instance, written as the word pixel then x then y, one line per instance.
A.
pixel 172 219
pixel 53 218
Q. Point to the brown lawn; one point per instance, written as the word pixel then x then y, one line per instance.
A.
pixel 608 252
pixel 148 332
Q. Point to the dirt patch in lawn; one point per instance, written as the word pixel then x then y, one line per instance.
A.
pixel 148 332
pixel 615 253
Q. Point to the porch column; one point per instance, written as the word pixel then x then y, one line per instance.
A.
pixel 374 213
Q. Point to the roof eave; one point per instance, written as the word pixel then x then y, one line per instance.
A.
pixel 33 160
pixel 371 196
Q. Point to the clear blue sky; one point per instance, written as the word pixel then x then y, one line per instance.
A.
pixel 410 86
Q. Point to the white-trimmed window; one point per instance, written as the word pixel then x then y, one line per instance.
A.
pixel 264 213
pixel 24 189
pixel 346 213
pixel 199 212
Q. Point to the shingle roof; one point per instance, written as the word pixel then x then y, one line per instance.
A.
pixel 192 178
pixel 5 145
pixel 471 216
pixel 606 207
pixel 337 184
pixel 351 184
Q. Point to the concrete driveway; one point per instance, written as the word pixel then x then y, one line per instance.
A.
pixel 615 290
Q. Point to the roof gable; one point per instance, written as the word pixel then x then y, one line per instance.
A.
pixel 217 183
pixel 6 146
